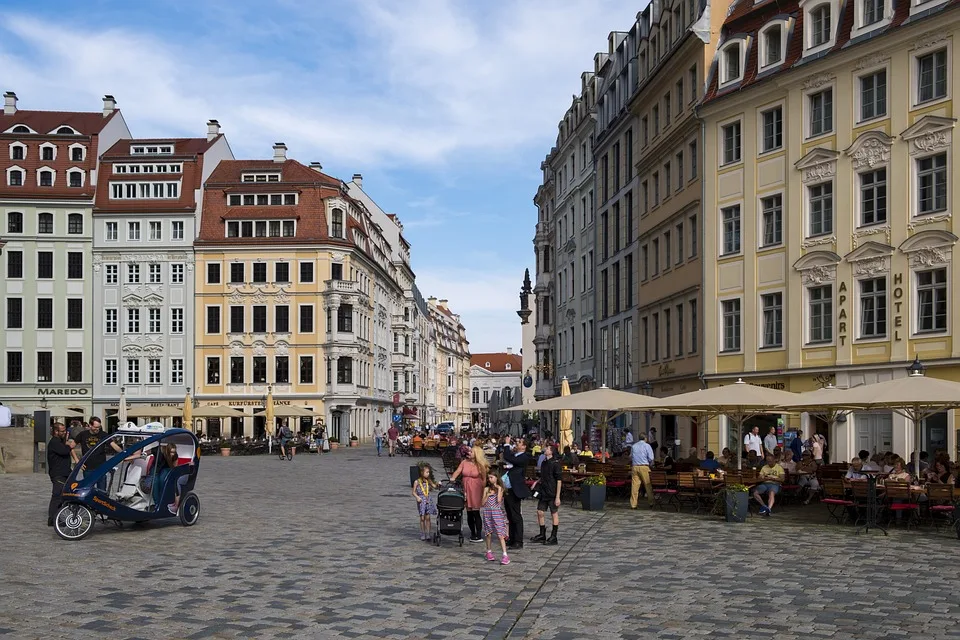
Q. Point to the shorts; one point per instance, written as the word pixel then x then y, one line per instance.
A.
pixel 544 504
pixel 767 487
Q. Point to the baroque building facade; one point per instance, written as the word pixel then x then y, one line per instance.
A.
pixel 828 207
pixel 452 357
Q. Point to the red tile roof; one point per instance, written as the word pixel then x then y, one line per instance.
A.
pixel 88 123
pixel 189 147
pixel 497 362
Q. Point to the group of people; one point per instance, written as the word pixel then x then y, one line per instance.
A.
pixel 494 497
pixel 62 454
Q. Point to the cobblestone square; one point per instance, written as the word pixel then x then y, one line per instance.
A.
pixel 327 547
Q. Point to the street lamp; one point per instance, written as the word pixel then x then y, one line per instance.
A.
pixel 916 368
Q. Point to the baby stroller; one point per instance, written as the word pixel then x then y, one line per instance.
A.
pixel 450 505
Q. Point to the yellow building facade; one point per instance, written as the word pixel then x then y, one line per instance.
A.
pixel 828 227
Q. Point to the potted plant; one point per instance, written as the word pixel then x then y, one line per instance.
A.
pixel 225 448
pixel 354 442
pixel 735 502
pixel 593 492
pixel 334 442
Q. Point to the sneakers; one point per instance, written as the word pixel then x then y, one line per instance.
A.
pixel 423 536
pixel 172 508
pixel 505 559
pixel 489 556
pixel 476 539
pixel 764 511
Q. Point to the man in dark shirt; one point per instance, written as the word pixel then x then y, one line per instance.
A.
pixel 549 487
pixel 89 439
pixel 516 455
pixel 58 466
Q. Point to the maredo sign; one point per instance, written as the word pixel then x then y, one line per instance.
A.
pixel 62 392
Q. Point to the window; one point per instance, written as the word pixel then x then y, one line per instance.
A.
pixel 306 318
pixel 17 151
pixel 656 125
pixel 213 273
pixel 730 69
pixel 336 229
pixel 14 264
pixel 133 231
pixel 110 371
pixel 873 308
pixel 46 178
pixel 731 143
pixel 176 230
pixel 236 319
pixel 45 223
pixel 15 178
pixel 176 273
pixel 14 366
pixel 772 219
pixel 75 224
pixel 133 320
pixel 306 272
pixel 153 324
pixel 153 371
pixel 772 307
pixel 281 319
pixel 76 154
pixel 259 369
pixel 821 112
pixel 237 272
pixel 345 370
pixel 772 45
pixel 656 255
pixel 680 171
pixel 45 264
pixel 731 229
pixel 821 209
pixel 345 322
pixel 655 178
pixel 693 159
pixel 680 96
pixel 44 313
pixel 14 313
pixel 281 272
pixel 772 129
pixel 213 370
pixel 154 273
pixel 932 300
pixel 74 265
pixel 133 273
pixel 176 320
pixel 932 184
pixel 306 369
pixel 731 324
pixel 133 372
pixel 259 272
pixel 112 271
pixel 281 370
pixel 236 370
pixel 873 93
pixel 74 366
pixel 44 366
pixel 111 231
pixel 667 250
pixel 110 321
pixel 213 319
pixel 46 153
pixel 176 371
pixel 932 76
pixel 820 25
pixel 873 197
pixel 74 313
pixel 14 222
pixel 76 178
pixel 259 319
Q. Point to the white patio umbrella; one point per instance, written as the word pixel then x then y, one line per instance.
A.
pixel 207 411
pixel 739 401
pixel 60 411
pixel 289 411
pixel 566 417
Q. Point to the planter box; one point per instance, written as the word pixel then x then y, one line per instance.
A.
pixel 592 497
pixel 334 445
pixel 225 452
pixel 737 505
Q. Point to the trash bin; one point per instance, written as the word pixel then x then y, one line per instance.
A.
pixel 414 474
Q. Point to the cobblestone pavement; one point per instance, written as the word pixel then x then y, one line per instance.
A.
pixel 327 547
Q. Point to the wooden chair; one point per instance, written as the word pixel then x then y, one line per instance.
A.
pixel 662 491
pixel 835 497
pixel 899 499
pixel 416 448
pixel 687 490
pixel 430 446
pixel 619 479
pixel 941 499
pixel 570 487
pixel 706 493
pixel 789 490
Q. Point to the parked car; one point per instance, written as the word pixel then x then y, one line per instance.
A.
pixel 444 429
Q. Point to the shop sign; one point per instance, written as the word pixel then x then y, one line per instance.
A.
pixel 63 391
pixel 665 370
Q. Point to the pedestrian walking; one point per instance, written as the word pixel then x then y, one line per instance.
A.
pixel 517 457
pixel 494 519
pixel 392 434
pixel 58 466
pixel 641 457
pixel 549 487
pixel 378 437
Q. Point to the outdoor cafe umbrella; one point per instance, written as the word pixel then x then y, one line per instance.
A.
pixel 122 407
pixel 289 411
pixel 598 403
pixel 146 411
pixel 566 417
pixel 208 411
pixel 738 401
pixel 60 411
pixel 187 421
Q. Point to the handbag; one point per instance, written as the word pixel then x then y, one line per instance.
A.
pixel 506 480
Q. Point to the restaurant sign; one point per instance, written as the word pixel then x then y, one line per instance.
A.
pixel 63 391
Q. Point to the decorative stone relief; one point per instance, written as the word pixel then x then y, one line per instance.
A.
pixel 818 165
pixel 259 348
pixel 871 61
pixel 869 231
pixel 259 297
pixel 925 220
pixel 817 80
pixel 281 348
pixel 819 274
pixel 870 149
pixel 871 266
pixel 815 242
pixel 236 348
pixel 932 141
pixel 281 297
pixel 236 298
pixel 929 39
pixel 928 134
pixel 930 257
pixel 819 172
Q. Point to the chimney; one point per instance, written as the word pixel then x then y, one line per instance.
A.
pixel 316 166
pixel 279 152
pixel 509 351
pixel 109 105
pixel 213 129
pixel 358 179
pixel 9 103
pixel 442 303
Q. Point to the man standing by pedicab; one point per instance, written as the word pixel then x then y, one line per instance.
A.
pixel 58 467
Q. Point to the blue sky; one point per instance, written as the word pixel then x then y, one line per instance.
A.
pixel 447 108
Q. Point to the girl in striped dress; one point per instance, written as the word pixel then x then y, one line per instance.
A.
pixel 493 516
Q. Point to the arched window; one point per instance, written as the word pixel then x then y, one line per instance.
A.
pixel 476 395
pixel 14 222
pixel 20 129
pixel 731 62
pixel 75 178
pixel 45 223
pixel 66 131
pixel 336 229
pixel 75 223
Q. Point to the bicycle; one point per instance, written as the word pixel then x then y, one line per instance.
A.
pixel 285 450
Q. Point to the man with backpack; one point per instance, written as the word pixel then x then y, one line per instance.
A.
pixel 286 435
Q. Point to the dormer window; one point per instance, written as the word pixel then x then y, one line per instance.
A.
pixel 48 152
pixel 75 178
pixel 152 150
pixel 336 227
pixel 15 176
pixel 731 62
pixel 772 45
pixel 820 26
pixel 45 177
pixel 76 153
pixel 66 131
pixel 872 11
pixel 20 129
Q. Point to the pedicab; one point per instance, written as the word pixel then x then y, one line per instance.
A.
pixel 151 478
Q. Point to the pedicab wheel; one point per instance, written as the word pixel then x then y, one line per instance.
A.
pixel 189 510
pixel 74 522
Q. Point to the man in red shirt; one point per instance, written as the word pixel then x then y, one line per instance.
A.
pixel 392 434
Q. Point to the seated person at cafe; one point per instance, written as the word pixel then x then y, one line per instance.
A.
pixel 666 458
pixel 786 460
pixel 940 474
pixel 771 477
pixel 869 462
pixel 855 472
pixel 692 457
pixel 752 461
pixel 924 464
pixel 711 463
pixel 569 458
pixel 899 471
pixel 727 458
pixel 807 475
pixel 417 441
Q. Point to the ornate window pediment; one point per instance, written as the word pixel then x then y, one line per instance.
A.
pixel 870 258
pixel 818 165
pixel 929 248
pixel 818 267
pixel 929 133
pixel 870 149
